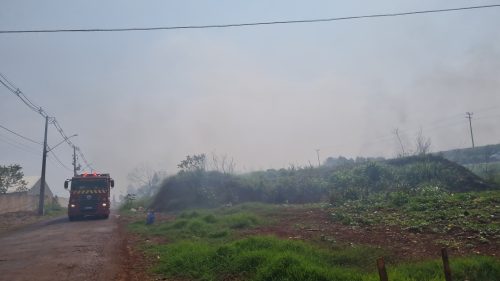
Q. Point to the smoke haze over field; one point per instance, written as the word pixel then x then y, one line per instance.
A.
pixel 267 96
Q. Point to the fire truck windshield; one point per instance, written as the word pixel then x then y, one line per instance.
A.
pixel 89 184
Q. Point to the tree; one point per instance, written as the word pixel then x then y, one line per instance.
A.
pixel 193 163
pixel 145 180
pixel 12 177
pixel 222 163
pixel 423 144
pixel 402 153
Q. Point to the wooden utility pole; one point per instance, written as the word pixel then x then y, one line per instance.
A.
pixel 382 272
pixel 469 116
pixel 42 178
pixel 446 264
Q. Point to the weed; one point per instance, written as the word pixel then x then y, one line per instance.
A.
pixel 269 258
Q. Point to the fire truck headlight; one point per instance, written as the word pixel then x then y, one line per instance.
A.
pixel 72 205
pixel 104 204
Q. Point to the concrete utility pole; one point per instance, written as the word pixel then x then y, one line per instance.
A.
pixel 317 153
pixel 469 116
pixel 42 178
pixel 76 167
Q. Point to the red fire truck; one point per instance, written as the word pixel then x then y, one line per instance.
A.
pixel 89 195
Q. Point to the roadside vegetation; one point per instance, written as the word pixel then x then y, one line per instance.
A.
pixel 475 215
pixel 54 209
pixel 196 187
pixel 476 155
pixel 11 178
pixel 203 224
pixel 218 244
pixel 488 171
pixel 322 223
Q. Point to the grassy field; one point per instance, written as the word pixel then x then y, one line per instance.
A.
pixel 235 244
pixel 429 210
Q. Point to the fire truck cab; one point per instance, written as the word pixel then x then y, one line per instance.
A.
pixel 89 195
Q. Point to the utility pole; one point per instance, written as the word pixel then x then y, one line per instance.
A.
pixel 317 153
pixel 76 167
pixel 42 178
pixel 469 116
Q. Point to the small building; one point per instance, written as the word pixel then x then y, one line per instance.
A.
pixel 25 200
pixel 35 190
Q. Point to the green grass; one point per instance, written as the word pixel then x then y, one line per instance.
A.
pixel 478 268
pixel 428 211
pixel 217 224
pixel 205 245
pixel 52 210
pixel 268 258
pixel 260 258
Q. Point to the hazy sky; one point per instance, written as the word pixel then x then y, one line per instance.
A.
pixel 267 96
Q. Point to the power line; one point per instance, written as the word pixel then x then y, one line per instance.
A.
pixel 70 143
pixel 248 24
pixel 87 164
pixel 59 161
pixel 21 136
pixel 8 82
pixel 17 145
pixel 17 92
pixel 440 123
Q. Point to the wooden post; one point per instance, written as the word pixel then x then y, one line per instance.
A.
pixel 381 269
pixel 446 264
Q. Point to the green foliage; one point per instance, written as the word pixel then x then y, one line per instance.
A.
pixel 488 171
pixel 428 209
pixel 263 258
pixel 470 268
pixel 213 225
pixel 242 220
pixel 11 177
pixel 53 208
pixel 193 163
pixel 338 184
pixel 208 245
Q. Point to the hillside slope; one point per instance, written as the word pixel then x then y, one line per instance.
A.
pixel 202 188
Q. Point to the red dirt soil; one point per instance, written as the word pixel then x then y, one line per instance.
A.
pixel 315 224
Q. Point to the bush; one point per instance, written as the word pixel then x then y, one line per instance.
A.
pixel 202 189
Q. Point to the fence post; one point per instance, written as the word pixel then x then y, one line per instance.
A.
pixel 446 264
pixel 381 269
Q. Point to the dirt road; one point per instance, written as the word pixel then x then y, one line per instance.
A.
pixel 63 250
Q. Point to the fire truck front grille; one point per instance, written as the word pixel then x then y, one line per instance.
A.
pixel 88 202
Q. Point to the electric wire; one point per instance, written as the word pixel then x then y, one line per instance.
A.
pixel 52 120
pixel 17 145
pixel 60 162
pixel 16 91
pixel 27 148
pixel 230 25
pixel 21 136
pixel 441 123
pixel 8 82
